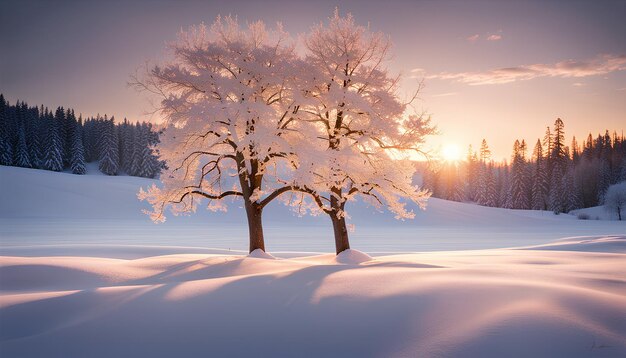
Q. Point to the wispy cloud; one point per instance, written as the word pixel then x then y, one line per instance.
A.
pixel 578 84
pixel 494 37
pixel 473 38
pixel 598 66
pixel 447 94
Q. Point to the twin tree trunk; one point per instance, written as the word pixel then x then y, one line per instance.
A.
pixel 255 229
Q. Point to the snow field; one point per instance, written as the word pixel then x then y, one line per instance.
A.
pixel 461 303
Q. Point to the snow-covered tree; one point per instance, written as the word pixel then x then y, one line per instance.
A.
pixel 77 162
pixel 472 177
pixel 53 156
pixel 518 194
pixel 228 104
pixel 571 191
pixel 615 199
pixel 6 147
pixel 33 137
pixel 109 152
pixel 557 197
pixel 539 191
pixel 21 152
pixel 362 135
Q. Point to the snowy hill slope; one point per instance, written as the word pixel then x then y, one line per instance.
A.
pixel 487 303
pixel 40 207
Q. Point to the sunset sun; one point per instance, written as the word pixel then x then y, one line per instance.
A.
pixel 451 152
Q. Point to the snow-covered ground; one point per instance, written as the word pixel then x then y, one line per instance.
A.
pixel 46 208
pixel 84 274
pixel 483 303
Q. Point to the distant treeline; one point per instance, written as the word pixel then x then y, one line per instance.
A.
pixel 553 177
pixel 35 137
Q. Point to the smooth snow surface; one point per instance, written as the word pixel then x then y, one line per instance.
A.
pixel 615 244
pixel 73 211
pixel 483 303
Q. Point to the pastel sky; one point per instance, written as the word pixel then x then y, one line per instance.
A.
pixel 499 70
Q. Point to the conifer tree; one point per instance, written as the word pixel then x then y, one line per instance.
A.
pixel 33 140
pixel 6 148
pixel 485 153
pixel 53 158
pixel 539 193
pixel 21 153
pixel 109 156
pixel 78 153
pixel 556 190
pixel 571 191
pixel 519 198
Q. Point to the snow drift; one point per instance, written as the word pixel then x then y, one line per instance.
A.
pixel 474 303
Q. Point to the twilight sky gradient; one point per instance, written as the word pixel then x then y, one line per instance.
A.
pixel 495 70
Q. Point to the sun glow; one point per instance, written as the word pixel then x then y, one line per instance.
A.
pixel 451 152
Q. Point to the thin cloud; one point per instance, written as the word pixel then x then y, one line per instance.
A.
pixel 473 38
pixel 578 84
pixel 565 69
pixel 448 94
pixel 494 37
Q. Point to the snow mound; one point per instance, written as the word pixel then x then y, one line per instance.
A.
pixel 487 303
pixel 610 244
pixel 352 257
pixel 260 254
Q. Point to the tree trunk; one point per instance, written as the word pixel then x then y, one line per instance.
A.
pixel 255 226
pixel 340 230
pixel 619 213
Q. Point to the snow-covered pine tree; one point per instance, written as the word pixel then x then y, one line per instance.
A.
pixel 492 193
pixel 472 167
pixel 504 197
pixel 138 143
pixel 518 194
pixel 61 124
pixel 77 162
pixel 481 192
pixel 539 194
pixel 33 137
pixel 571 191
pixel 556 199
pixel 604 179
pixel 126 147
pixel 21 153
pixel 53 157
pixel 6 147
pixel 69 125
pixel 109 156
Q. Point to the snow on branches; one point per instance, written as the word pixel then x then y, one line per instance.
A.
pixel 246 116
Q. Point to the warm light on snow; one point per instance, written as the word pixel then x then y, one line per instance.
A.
pixel 451 152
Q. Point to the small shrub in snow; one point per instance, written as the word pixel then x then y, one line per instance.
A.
pixel 615 199
pixel 583 216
